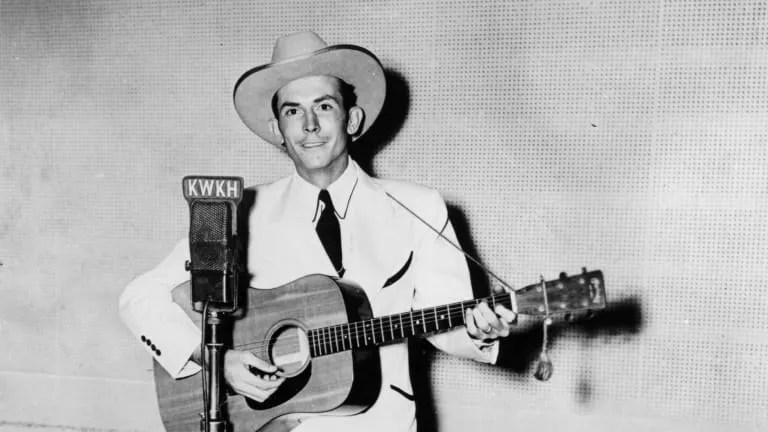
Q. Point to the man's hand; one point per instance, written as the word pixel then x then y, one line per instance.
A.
pixel 257 385
pixel 486 324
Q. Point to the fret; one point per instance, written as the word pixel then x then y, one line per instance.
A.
pixel 348 337
pixel 338 338
pixel 357 340
pixel 343 336
pixel 413 329
pixel 311 344
pixel 373 331
pixel 311 335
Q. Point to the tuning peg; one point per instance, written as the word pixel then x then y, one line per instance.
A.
pixel 563 276
pixel 584 270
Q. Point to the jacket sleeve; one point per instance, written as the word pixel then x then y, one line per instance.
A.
pixel 164 329
pixel 441 276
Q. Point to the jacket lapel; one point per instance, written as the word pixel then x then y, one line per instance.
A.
pixel 380 243
pixel 379 240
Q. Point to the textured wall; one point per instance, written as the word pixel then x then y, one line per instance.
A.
pixel 620 135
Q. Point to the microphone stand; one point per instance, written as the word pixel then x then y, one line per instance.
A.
pixel 213 204
pixel 213 419
pixel 214 344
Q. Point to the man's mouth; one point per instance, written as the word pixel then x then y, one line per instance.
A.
pixel 311 144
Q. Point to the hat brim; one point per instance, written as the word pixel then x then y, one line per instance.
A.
pixel 357 66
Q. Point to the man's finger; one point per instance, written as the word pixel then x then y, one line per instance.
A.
pixel 490 316
pixel 251 360
pixel 252 392
pixel 507 315
pixel 480 320
pixel 469 320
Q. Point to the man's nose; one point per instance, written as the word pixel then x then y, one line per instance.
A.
pixel 310 123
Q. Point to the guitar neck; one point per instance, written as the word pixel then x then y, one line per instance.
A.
pixel 393 328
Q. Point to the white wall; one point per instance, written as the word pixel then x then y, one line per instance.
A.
pixel 620 135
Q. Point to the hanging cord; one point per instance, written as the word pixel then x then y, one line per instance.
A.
pixel 544 365
pixel 455 246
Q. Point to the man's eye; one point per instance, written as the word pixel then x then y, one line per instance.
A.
pixel 326 107
pixel 290 112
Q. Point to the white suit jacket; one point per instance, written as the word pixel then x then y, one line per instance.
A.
pixel 382 244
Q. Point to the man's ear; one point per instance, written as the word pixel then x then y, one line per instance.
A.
pixel 355 119
pixel 273 126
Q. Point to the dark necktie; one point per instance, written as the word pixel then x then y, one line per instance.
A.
pixel 329 232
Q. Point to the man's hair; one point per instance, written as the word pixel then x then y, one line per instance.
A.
pixel 347 91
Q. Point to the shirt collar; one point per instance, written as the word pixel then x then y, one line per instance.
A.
pixel 304 195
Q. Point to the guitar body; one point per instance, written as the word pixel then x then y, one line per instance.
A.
pixel 342 383
pixel 321 334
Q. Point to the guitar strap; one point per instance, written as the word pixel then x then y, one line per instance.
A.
pixel 505 285
pixel 544 364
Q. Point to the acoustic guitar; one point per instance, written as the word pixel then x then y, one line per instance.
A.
pixel 320 332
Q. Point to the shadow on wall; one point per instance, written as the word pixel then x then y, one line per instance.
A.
pixel 391 119
pixel 520 351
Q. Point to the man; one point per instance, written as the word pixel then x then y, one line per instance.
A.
pixel 313 101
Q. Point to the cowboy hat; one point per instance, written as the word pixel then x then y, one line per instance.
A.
pixel 304 54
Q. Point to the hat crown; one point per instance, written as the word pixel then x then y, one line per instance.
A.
pixel 304 54
pixel 297 44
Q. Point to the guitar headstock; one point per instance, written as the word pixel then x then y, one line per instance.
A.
pixel 584 292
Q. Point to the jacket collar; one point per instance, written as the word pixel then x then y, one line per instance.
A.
pixel 300 199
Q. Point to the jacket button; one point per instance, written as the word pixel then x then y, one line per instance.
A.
pixel 143 339
pixel 148 342
pixel 153 347
pixel 158 352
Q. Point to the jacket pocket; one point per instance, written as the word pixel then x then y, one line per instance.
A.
pixel 402 392
pixel 399 274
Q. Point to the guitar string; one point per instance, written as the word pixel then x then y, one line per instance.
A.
pixel 386 326
pixel 430 316
pixel 339 333
pixel 430 319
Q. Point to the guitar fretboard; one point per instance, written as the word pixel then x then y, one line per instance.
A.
pixel 387 329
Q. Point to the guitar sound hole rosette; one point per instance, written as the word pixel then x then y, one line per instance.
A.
pixel 288 347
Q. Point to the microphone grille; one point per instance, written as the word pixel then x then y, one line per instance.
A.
pixel 210 233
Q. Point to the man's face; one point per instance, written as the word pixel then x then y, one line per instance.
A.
pixel 315 126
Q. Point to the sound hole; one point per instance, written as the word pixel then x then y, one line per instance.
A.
pixel 289 348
